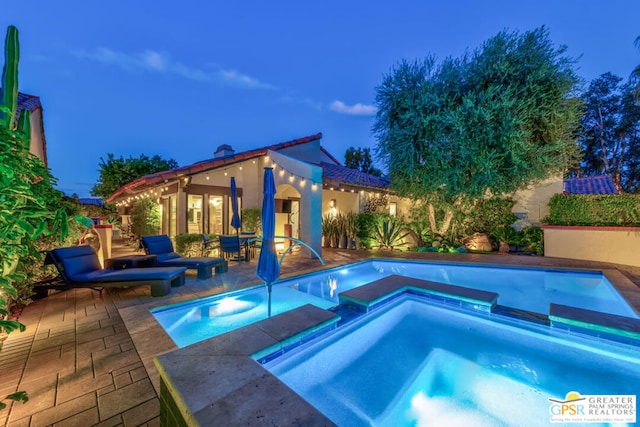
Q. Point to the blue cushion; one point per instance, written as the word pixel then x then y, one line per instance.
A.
pixel 190 262
pixel 156 245
pixel 167 256
pixel 81 264
pixel 77 260
pixel 129 275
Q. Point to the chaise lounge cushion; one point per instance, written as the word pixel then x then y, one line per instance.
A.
pixel 162 247
pixel 79 266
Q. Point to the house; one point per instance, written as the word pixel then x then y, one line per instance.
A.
pixel 310 183
pixel 32 104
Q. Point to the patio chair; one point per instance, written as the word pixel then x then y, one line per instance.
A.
pixel 208 245
pixel 233 247
pixel 79 267
pixel 252 244
pixel 167 257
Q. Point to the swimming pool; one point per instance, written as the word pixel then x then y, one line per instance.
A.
pixel 522 288
pixel 415 363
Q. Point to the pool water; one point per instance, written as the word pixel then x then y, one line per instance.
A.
pixel 526 289
pixel 413 363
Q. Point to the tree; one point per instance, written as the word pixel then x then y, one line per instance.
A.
pixel 610 134
pixel 360 159
pixel 491 121
pixel 635 75
pixel 116 172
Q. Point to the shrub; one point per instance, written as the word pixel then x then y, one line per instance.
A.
pixel 532 240
pixel 189 244
pixel 486 216
pixel 145 218
pixel 252 220
pixel 366 228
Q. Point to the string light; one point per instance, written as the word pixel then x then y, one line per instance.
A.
pixel 282 172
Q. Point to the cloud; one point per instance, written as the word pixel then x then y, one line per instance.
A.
pixel 154 61
pixel 234 77
pixel 353 110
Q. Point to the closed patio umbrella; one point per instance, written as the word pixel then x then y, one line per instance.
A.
pixel 235 218
pixel 268 268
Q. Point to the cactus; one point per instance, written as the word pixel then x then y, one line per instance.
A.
pixel 10 78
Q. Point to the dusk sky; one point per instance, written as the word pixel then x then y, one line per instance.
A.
pixel 180 78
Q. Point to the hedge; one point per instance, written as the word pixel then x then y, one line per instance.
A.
pixel 594 210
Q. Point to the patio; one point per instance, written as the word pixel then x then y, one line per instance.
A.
pixel 86 357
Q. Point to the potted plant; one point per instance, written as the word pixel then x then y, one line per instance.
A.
pixel 328 230
pixel 341 231
pixel 505 235
pixel 352 228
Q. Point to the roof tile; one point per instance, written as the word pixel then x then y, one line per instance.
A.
pixel 602 184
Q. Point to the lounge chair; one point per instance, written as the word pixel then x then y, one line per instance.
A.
pixel 79 268
pixel 167 257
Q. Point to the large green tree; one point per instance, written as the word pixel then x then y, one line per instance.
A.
pixel 635 75
pixel 116 172
pixel 360 159
pixel 610 135
pixel 492 121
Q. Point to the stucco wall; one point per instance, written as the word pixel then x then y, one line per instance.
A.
pixel 607 244
pixel 37 145
pixel 345 201
pixel 532 202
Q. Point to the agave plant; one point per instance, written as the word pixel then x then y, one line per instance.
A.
pixel 341 230
pixel 352 228
pixel 328 230
pixel 390 234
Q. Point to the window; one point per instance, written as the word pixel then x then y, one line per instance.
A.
pixel 393 208
pixel 215 215
pixel 194 213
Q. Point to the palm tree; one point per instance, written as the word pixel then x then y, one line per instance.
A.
pixel 635 74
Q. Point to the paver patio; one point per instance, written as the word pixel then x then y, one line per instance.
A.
pixel 86 356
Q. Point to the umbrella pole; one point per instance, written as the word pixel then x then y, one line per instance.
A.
pixel 239 248
pixel 269 292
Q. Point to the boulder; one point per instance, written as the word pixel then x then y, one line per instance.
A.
pixel 478 242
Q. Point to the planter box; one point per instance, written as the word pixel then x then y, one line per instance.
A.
pixel 618 245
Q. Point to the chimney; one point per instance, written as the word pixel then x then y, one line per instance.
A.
pixel 223 151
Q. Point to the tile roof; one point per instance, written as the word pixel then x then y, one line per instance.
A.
pixel 205 165
pixel 91 201
pixel 28 102
pixel 337 175
pixel 602 184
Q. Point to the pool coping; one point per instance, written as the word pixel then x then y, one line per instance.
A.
pixel 209 381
